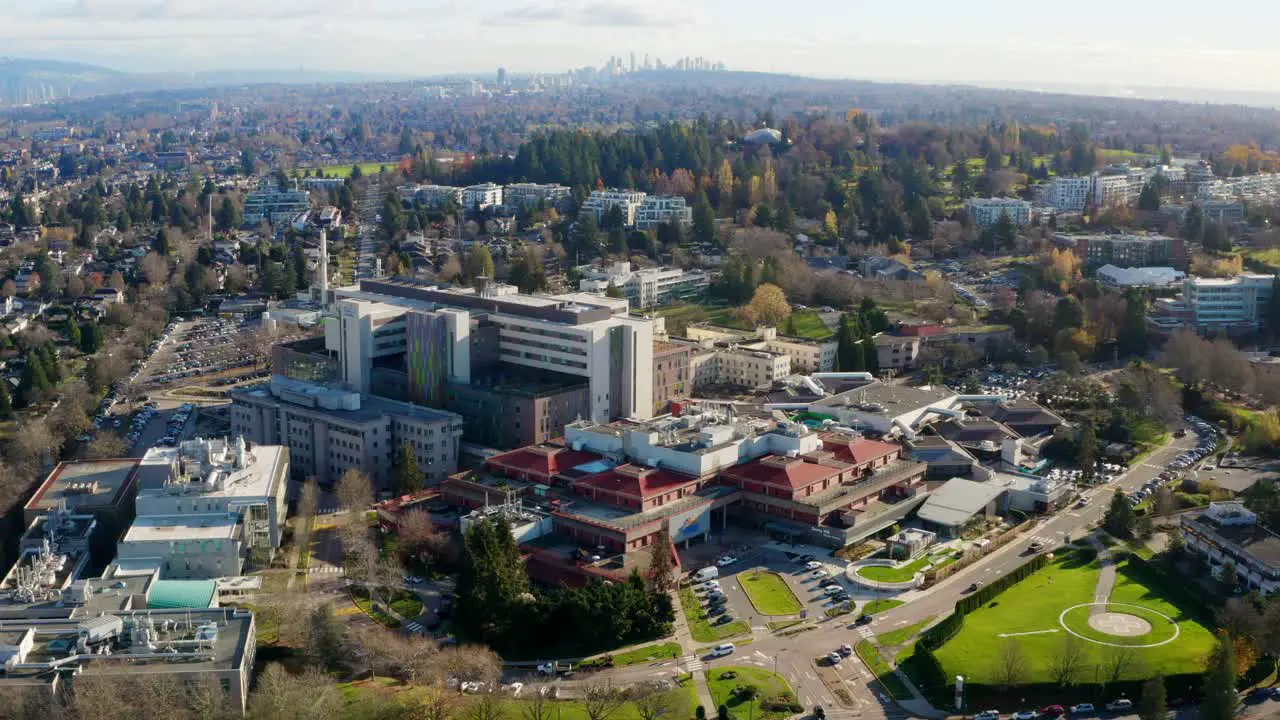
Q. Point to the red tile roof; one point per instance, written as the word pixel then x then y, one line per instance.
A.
pixel 543 460
pixel 637 481
pixel 858 451
pixel 780 471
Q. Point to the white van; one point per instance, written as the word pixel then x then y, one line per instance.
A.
pixel 706 573
pixel 722 650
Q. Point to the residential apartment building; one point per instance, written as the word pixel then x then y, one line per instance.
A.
pixel 481 197
pixel 988 211
pixel 530 195
pixel 1115 190
pixel 1228 533
pixel 431 336
pixel 903 346
pixel 647 287
pixel 1128 250
pixel 430 195
pixel 659 209
pixel 602 202
pixel 1223 212
pixel 807 356
pixel 275 206
pixel 329 430
pixel 1068 193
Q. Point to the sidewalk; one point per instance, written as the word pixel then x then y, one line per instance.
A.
pixel 1106 576
pixel 690 648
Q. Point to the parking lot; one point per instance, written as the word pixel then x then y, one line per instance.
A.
pixel 1207 441
pixel 219 350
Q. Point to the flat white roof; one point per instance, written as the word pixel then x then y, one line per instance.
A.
pixel 178 528
pixel 251 481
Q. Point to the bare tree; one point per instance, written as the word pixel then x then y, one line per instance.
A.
pixel 1118 661
pixel 409 658
pixel 418 537
pixel 653 700
pixel 106 445
pixel 355 491
pixel 1013 666
pixel 280 695
pixel 433 702
pixel 487 706
pixel 470 663
pixel 601 700
pixel 537 705
pixel 32 444
pixel 1069 660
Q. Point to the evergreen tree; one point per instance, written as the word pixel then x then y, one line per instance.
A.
pixel 479 263
pixel 613 291
pixel 1120 518
pixel 406 141
pixel 661 563
pixel 1149 198
pixel 1220 699
pixel 73 331
pixel 1193 224
pixel 228 215
pixel 405 475
pixel 161 242
pixel 491 581
pixel 1087 457
pixel 6 402
pixel 91 338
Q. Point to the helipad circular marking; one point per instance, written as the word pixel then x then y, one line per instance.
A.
pixel 1120 624
pixel 1062 620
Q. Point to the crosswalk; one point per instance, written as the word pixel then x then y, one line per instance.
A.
pixel 866 632
pixel 691 664
pixel 325 570
pixel 414 626
pixel 1041 539
pixel 328 510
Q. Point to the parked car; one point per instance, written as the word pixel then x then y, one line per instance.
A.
pixel 846 649
pixel 834 658
pixel 1083 709
pixel 987 715
pixel 723 650
pixel 1053 711
pixel 1121 705
pixel 1024 715
pixel 818 574
pixel 813 565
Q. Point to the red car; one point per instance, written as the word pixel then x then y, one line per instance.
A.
pixel 1052 711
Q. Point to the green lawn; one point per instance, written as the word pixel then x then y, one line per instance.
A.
pixel 902 635
pixel 769 593
pixel 899 574
pixel 876 607
pixel 700 624
pixel 647 653
pixel 358 695
pixel 344 171
pixel 1034 605
pixel 885 674
pixel 808 324
pixel 408 605
pixel 376 612
pixel 722 691
pixel 777 625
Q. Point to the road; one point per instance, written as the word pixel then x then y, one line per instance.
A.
pixel 1070 523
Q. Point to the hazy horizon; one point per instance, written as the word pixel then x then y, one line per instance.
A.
pixel 1096 44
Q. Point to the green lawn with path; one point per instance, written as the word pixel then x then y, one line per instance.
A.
pixel 647 653
pixel 700 626
pixel 358 694
pixel 875 607
pixel 899 574
pixel 367 169
pixel 885 674
pixel 722 688
pixel 807 324
pixel 769 593
pixel 1034 606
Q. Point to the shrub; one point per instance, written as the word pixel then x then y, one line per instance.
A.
pixel 746 692
pixel 700 713
pixel 819 713
pixel 722 713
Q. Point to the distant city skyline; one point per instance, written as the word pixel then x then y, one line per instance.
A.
pixel 1098 43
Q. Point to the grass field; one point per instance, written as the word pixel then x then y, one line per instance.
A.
pixel 887 677
pixel 647 653
pixel 408 605
pixel 902 635
pixel 1034 606
pixel 357 696
pixel 722 691
pixel 769 593
pixel 876 607
pixel 808 324
pixel 344 171
pixel 700 624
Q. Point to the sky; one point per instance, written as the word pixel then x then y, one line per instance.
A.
pixel 1172 43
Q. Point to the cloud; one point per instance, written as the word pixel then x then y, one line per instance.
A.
pixel 590 13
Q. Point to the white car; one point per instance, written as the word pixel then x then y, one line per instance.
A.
pixel 987 715
pixel 813 565
pixel 726 561
pixel 1121 705
pixel 1025 715
pixel 832 590
pixel 722 650
pixel 818 574
pixel 708 586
